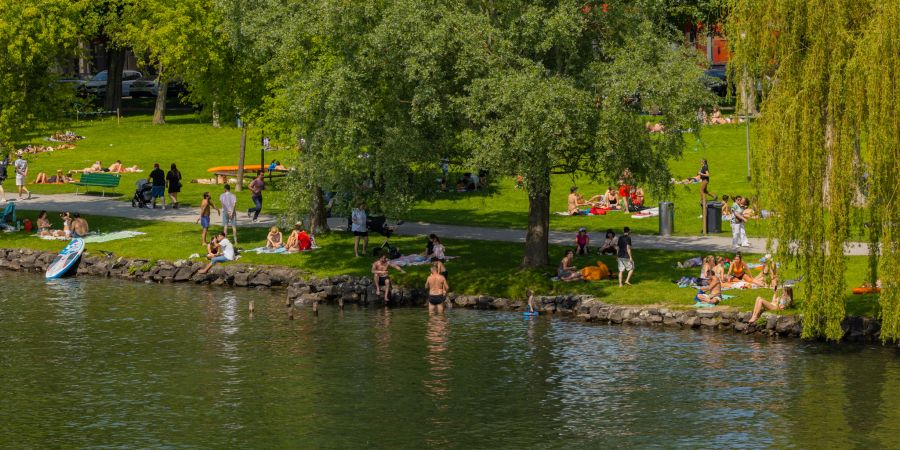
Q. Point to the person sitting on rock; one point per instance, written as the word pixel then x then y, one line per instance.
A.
pixel 382 278
pixel 780 301
pixel 226 255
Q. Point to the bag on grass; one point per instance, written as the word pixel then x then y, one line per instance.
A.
pixel 594 273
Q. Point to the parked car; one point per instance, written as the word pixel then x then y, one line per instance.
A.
pixel 97 84
pixel 150 88
pixel 717 80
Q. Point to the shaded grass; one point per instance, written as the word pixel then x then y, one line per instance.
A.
pixel 483 267
pixel 722 145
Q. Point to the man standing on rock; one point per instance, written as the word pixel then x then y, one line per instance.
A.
pixel 229 214
pixel 625 259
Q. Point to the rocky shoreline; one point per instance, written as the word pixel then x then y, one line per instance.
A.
pixel 341 290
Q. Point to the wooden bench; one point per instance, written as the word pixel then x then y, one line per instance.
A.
pixel 103 180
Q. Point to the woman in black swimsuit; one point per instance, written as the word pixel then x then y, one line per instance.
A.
pixel 704 180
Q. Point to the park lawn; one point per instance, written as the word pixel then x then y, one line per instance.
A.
pixel 196 146
pixel 192 145
pixel 504 206
pixel 483 267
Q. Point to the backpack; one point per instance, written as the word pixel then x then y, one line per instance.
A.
pixel 594 273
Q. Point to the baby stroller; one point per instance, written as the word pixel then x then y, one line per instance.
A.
pixel 142 197
pixel 379 225
pixel 8 217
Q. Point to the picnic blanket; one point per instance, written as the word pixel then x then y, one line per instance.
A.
pixel 699 304
pixel 96 238
pixel 266 250
pixel 415 260
pixel 649 212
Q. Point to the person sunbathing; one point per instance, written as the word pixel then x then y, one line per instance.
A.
pixel 59 178
pixel 768 276
pixel 567 271
pixel 41 178
pixel 780 301
pixel 610 198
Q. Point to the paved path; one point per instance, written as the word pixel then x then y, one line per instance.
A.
pixel 93 205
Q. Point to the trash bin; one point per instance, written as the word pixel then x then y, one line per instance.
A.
pixel 714 217
pixel 666 218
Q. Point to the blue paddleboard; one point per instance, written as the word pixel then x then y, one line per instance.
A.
pixel 65 259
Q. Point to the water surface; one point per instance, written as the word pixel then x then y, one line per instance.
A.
pixel 106 363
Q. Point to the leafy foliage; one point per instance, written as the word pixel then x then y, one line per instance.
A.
pixel 34 35
pixel 831 138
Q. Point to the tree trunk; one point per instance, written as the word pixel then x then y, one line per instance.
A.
pixel 159 112
pixel 318 215
pixel 240 171
pixel 215 115
pixel 538 234
pixel 113 100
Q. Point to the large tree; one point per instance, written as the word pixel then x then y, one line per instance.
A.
pixel 831 139
pixel 34 37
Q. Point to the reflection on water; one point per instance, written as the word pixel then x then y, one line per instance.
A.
pixel 88 363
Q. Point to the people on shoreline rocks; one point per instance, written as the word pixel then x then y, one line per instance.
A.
pixel 381 276
pixel 226 254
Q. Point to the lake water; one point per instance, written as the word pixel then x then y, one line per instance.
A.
pixel 105 363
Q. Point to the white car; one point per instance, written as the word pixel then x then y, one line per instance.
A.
pixel 97 84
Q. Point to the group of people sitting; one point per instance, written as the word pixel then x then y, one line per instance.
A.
pixel 468 182
pixel 716 118
pixel 718 273
pixel 73 225
pixel 625 198
pixel 298 241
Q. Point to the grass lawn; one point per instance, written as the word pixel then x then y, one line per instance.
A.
pixel 506 207
pixel 196 146
pixel 192 145
pixel 483 267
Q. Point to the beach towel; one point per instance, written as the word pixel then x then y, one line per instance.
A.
pixel 96 238
pixel 649 212
pixel 265 250
pixel 416 260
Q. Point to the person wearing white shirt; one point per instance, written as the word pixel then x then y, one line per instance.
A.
pixel 227 252
pixel 229 213
pixel 358 227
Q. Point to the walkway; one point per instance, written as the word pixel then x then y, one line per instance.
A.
pixel 99 206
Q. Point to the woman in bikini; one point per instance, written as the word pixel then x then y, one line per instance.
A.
pixel 768 276
pixel 780 301
pixel 739 271
pixel 274 239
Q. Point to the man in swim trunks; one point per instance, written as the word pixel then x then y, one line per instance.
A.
pixel 437 290
pixel 79 226
pixel 713 290
pixel 381 277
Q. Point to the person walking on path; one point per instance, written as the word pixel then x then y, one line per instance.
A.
pixel 4 164
pixel 358 226
pixel 158 183
pixel 437 290
pixel 206 205
pixel 257 186
pixel 738 222
pixel 229 214
pixel 21 167
pixel 624 256
pixel 174 180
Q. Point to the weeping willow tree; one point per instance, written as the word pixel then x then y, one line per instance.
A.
pixel 830 72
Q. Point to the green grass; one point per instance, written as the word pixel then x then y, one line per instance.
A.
pixel 506 207
pixel 483 267
pixel 192 145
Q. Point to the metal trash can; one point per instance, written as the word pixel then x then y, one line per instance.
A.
pixel 714 217
pixel 666 218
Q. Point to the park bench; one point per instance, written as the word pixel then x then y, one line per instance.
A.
pixel 103 180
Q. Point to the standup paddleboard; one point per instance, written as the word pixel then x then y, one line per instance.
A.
pixel 65 259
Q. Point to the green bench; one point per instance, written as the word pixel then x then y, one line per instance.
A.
pixel 103 180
